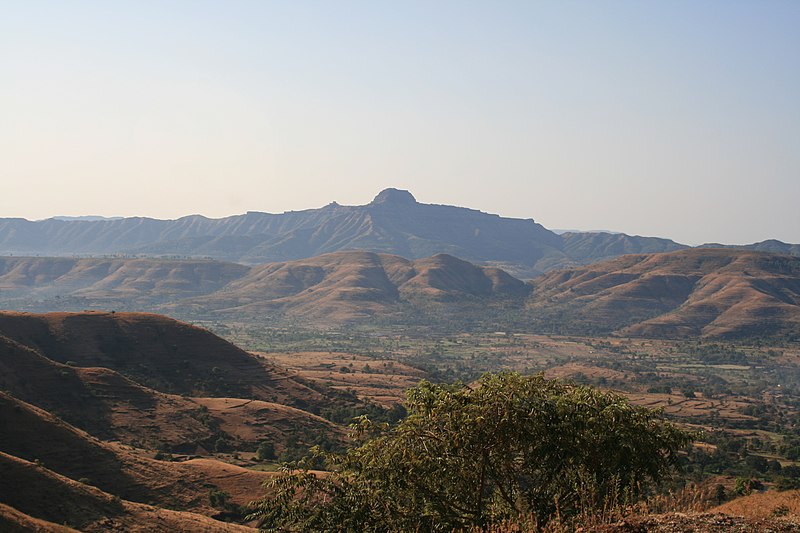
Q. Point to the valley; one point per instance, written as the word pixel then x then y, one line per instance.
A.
pixel 186 383
pixel 149 398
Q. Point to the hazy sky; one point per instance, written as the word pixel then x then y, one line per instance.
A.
pixel 675 119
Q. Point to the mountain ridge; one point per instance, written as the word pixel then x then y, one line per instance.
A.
pixel 704 292
pixel 394 222
pixel 690 292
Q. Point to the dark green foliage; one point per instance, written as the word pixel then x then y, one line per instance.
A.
pixel 265 451
pixel 514 447
pixel 229 511
pixel 745 486
pixel 218 498
pixel 298 448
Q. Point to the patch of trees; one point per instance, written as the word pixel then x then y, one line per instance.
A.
pixel 345 414
pixel 515 447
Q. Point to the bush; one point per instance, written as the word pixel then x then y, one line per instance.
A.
pixel 511 448
pixel 265 451
pixel 745 486
pixel 785 483
pixel 218 498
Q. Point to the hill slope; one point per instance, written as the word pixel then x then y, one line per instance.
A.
pixel 707 292
pixel 51 497
pixel 97 485
pixel 589 247
pixel 353 286
pixel 31 434
pixel 101 401
pixel 156 351
pixel 120 283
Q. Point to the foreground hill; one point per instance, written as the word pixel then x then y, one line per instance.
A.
pixel 85 404
pixel 49 498
pixel 698 292
pixel 394 222
pixel 111 407
pixel 34 435
pixel 102 402
pixel 156 351
pixel 90 484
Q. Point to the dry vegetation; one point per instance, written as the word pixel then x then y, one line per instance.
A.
pixel 383 381
pixel 203 407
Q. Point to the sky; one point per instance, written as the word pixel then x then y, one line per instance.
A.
pixel 677 119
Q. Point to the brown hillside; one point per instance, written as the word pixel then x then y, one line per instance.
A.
pixel 114 281
pixel 112 407
pixel 355 285
pixel 13 521
pixel 254 421
pixel 706 292
pixel 156 351
pixel 697 523
pixel 101 401
pixel 764 505
pixel 38 492
pixel 35 435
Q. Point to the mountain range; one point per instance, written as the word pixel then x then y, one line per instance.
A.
pixel 396 260
pixel 692 292
pixel 394 222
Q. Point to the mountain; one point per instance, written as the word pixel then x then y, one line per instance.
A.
pixel 87 218
pixel 33 434
pixel 101 401
pixel 394 222
pixel 112 407
pixel 590 247
pixel 695 292
pixel 51 502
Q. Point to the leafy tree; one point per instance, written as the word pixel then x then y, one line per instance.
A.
pixel 265 451
pixel 512 447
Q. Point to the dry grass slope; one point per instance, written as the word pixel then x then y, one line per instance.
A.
pixel 354 286
pixel 53 498
pixel 697 292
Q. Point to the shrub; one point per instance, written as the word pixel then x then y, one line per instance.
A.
pixel 511 448
pixel 218 498
pixel 265 451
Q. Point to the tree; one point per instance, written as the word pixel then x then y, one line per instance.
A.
pixel 510 448
pixel 266 451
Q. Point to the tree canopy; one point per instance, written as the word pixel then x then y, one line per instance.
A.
pixel 511 447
